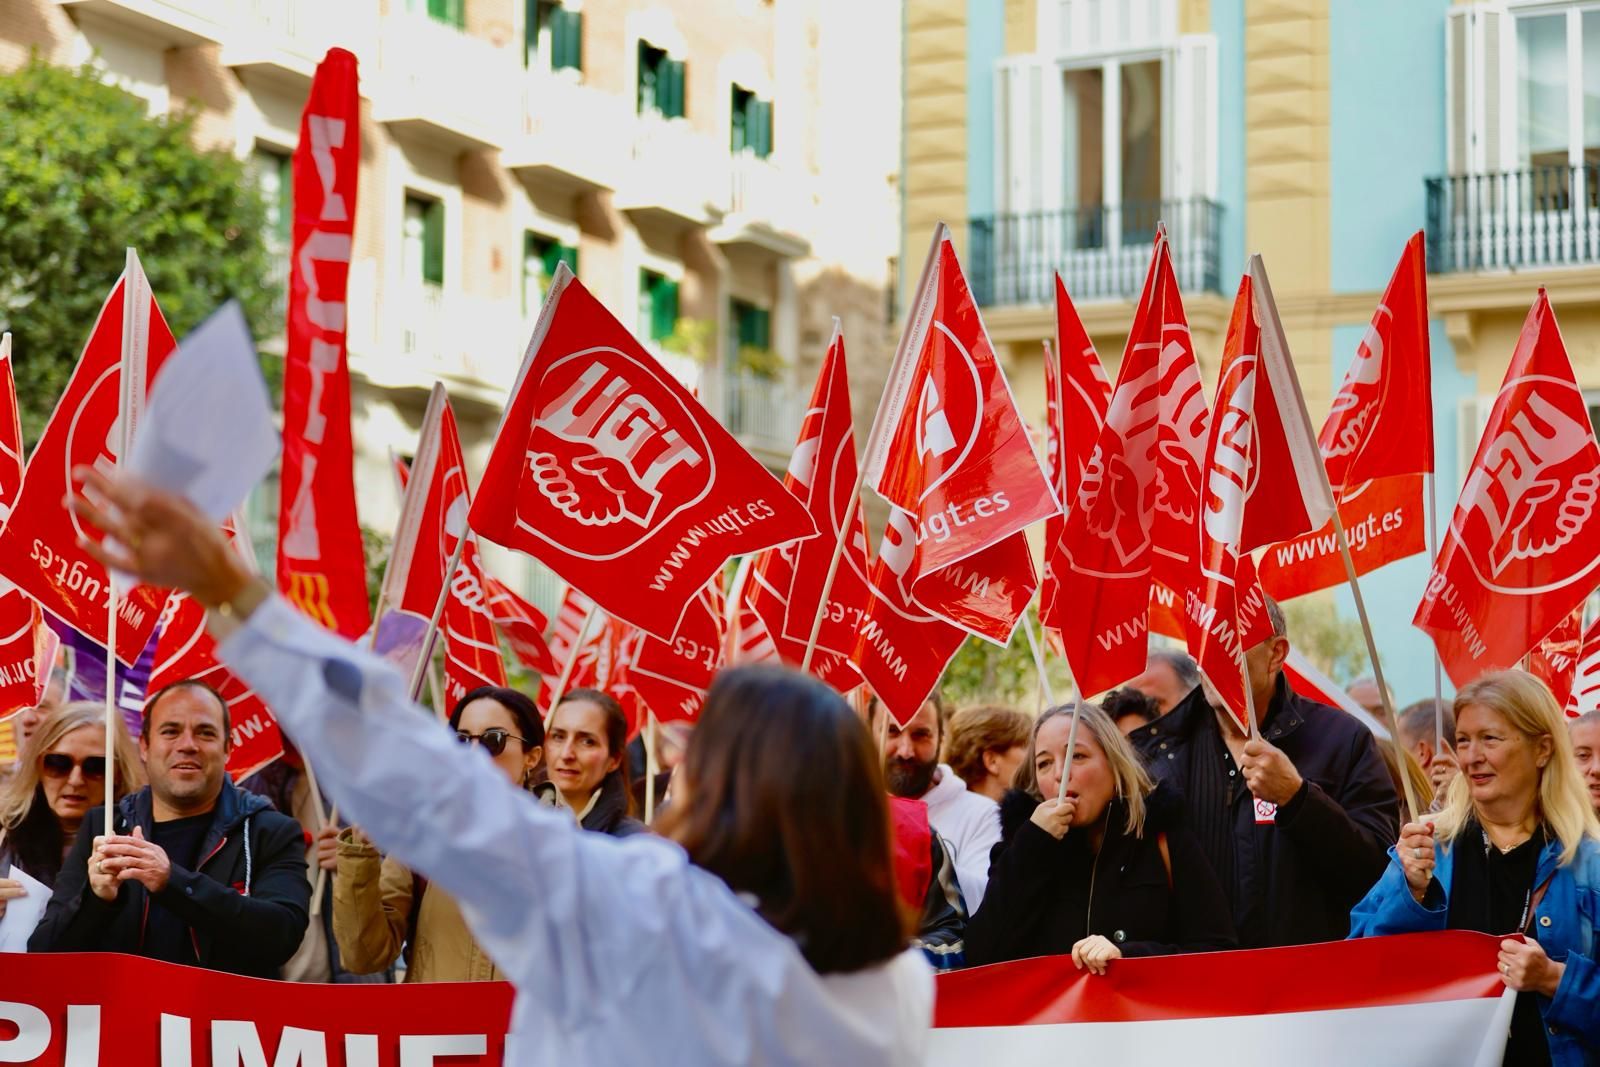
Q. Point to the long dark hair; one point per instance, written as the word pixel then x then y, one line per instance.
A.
pixel 786 801
pixel 616 737
pixel 530 726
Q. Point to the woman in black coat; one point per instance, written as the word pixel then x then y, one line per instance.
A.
pixel 1105 872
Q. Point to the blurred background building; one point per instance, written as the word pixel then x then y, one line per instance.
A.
pixel 1053 134
pixel 721 173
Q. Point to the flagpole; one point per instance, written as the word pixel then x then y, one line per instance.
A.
pixel 1438 665
pixel 1038 659
pixel 436 692
pixel 330 817
pixel 130 302
pixel 650 767
pixel 432 632
pixel 572 661
pixel 1372 652
pixel 852 505
pixel 1072 746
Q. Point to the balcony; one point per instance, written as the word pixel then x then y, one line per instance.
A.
pixel 575 138
pixel 442 85
pixel 173 23
pixel 762 412
pixel 1102 251
pixel 678 176
pixel 1514 220
pixel 768 209
pixel 421 333
pixel 282 41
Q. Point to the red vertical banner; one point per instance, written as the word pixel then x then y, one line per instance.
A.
pixel 27 645
pixel 321 565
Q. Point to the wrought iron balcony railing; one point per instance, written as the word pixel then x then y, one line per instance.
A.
pixel 1539 217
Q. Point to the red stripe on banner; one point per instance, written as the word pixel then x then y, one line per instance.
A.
pixel 1366 973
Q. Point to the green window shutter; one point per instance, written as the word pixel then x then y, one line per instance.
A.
pixel 739 106
pixel 451 12
pixel 530 32
pixel 568 255
pixel 284 208
pixel 663 306
pixel 762 330
pixel 566 39
pixel 763 138
pixel 675 96
pixel 433 244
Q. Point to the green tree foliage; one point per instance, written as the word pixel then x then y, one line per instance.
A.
pixel 984 673
pixel 85 172
pixel 1334 645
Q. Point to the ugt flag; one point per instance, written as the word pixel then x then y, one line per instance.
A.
pixel 949 450
pixel 27 645
pixel 93 425
pixel 1523 547
pixel 321 565
pixel 607 470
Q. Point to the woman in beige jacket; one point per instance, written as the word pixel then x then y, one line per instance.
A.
pixel 380 908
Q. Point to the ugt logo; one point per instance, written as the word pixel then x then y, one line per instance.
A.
pixel 610 444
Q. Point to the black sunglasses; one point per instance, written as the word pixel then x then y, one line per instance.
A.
pixel 493 740
pixel 59 765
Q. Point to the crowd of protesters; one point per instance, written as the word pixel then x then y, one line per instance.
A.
pixel 796 844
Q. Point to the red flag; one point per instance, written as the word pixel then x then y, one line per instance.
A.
pixel 672 677
pixel 1523 545
pixel 1585 695
pixel 750 641
pixel 1381 422
pixel 27 644
pixel 1383 521
pixel 1077 394
pixel 608 471
pixel 1554 660
pixel 321 565
pixel 38 546
pixel 823 473
pixel 432 519
pixel 522 623
pixel 1263 480
pixel 902 649
pixel 949 448
pixel 770 575
pixel 1138 496
pixel 1376 442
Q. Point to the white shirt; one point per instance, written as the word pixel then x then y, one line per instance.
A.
pixel 621 951
pixel 969 825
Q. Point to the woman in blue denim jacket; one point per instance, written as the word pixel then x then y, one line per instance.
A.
pixel 1516 850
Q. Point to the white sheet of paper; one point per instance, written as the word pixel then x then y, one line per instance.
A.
pixel 23 913
pixel 207 431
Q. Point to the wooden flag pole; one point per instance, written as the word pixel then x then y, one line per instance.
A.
pixel 1072 746
pixel 1438 664
pixel 1372 652
pixel 111 703
pixel 329 818
pixel 1038 660
pixel 572 661
pixel 852 504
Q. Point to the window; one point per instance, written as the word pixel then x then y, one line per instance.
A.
pixel 751 327
pixel 540 257
pixel 1112 113
pixel 1558 88
pixel 449 12
pixel 275 178
pixel 752 124
pixel 552 36
pixel 661 82
pixel 422 251
pixel 658 305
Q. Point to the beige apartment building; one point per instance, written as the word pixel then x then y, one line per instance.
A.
pixel 721 173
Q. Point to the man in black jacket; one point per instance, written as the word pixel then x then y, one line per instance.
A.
pixel 1297 821
pixel 199 873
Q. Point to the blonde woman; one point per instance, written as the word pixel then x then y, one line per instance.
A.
pixel 60 778
pixel 1515 850
pixel 1105 872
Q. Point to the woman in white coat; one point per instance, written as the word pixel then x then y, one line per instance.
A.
pixel 766 931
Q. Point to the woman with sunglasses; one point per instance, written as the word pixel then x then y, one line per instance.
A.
pixel 382 911
pixel 586 745
pixel 61 777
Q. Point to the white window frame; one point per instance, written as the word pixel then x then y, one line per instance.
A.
pixel 1511 104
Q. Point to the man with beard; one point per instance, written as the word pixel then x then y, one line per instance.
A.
pixel 196 871
pixel 967 823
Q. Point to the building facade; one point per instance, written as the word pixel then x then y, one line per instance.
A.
pixel 707 167
pixel 1053 134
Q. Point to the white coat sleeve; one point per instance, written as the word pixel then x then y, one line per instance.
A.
pixel 572 917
